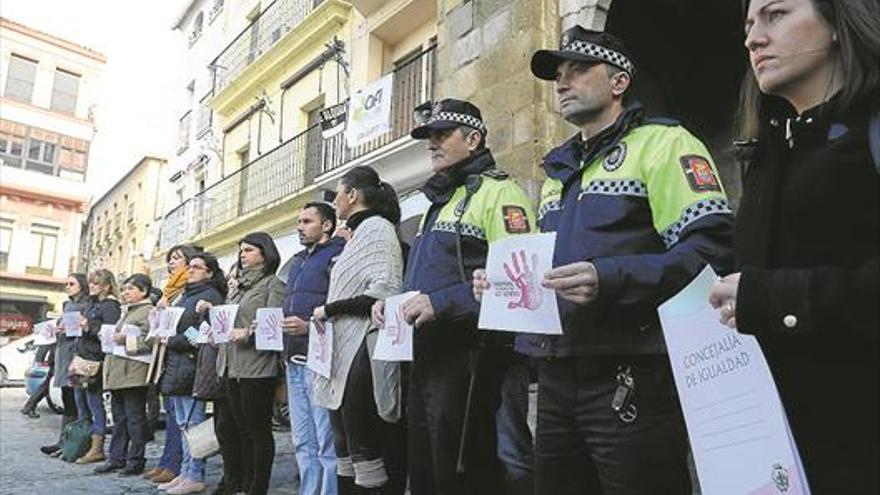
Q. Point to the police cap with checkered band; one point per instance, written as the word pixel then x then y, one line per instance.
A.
pixel 446 114
pixel 582 45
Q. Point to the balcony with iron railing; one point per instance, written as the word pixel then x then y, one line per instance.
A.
pixel 261 34
pixel 295 164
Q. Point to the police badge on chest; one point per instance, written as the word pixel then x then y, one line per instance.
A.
pixel 615 158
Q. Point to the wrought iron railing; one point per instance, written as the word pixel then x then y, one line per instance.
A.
pixel 258 37
pixel 294 164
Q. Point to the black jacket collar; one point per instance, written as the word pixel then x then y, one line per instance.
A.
pixel 441 186
pixel 357 218
pixel 563 162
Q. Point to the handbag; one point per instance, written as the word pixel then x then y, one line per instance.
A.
pixel 83 367
pixel 201 439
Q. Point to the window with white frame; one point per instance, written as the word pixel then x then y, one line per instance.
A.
pixel 41 156
pixel 65 91
pixel 45 245
pixel 6 229
pixel 11 150
pixel 183 133
pixel 21 73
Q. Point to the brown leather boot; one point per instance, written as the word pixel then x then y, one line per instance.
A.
pixel 96 451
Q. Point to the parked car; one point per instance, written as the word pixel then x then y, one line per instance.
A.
pixel 15 359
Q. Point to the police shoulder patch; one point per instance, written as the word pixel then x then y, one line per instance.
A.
pixel 700 175
pixel 615 158
pixel 515 219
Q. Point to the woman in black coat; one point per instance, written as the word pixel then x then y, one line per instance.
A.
pixel 204 282
pixel 808 229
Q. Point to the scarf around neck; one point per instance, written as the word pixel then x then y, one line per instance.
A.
pixel 175 285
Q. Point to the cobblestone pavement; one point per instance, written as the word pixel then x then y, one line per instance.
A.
pixel 26 471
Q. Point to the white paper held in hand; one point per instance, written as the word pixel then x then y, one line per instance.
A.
pixel 515 300
pixel 71 324
pixel 168 320
pixel 269 336
pixel 44 333
pixel 320 355
pixel 222 321
pixel 736 423
pixel 395 341
pixel 106 334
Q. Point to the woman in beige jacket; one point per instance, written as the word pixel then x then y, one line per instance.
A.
pixel 125 375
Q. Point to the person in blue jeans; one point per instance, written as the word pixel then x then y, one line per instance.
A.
pixel 307 283
pixel 103 309
pixel 205 282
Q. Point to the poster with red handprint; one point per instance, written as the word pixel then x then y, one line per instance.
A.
pixel 395 341
pixel 269 336
pixel 222 321
pixel 320 347
pixel 515 300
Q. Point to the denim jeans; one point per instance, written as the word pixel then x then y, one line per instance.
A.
pixel 190 468
pixel 91 401
pixel 172 453
pixel 514 437
pixel 582 446
pixel 129 439
pixel 312 435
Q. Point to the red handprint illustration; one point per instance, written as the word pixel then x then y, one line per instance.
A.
pixel 273 327
pixel 321 342
pixel 222 328
pixel 395 327
pixel 526 280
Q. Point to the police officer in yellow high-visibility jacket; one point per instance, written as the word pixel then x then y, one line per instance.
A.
pixel 638 209
pixel 472 204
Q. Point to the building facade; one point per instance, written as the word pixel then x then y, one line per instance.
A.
pixel 286 61
pixel 48 90
pixel 122 227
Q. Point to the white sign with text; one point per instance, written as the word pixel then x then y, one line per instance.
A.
pixel 736 423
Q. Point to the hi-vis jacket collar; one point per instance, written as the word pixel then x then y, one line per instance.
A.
pixel 582 45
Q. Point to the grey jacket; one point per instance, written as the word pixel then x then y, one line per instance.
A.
pixel 120 372
pixel 242 359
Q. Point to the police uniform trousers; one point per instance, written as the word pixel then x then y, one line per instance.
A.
pixel 438 393
pixel 583 447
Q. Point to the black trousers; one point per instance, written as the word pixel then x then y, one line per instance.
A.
pixel 583 447
pixel 129 406
pixel 251 446
pixel 358 431
pixel 69 401
pixel 227 437
pixel 438 393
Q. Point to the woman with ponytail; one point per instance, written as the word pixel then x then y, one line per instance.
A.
pixel 362 394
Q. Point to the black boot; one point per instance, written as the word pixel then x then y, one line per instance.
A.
pixel 132 469
pixel 108 467
pixel 55 447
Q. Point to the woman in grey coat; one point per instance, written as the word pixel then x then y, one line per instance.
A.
pixel 249 376
pixel 76 287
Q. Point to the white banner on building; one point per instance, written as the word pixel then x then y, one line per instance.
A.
pixel 370 113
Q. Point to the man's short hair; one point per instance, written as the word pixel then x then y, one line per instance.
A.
pixel 325 211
